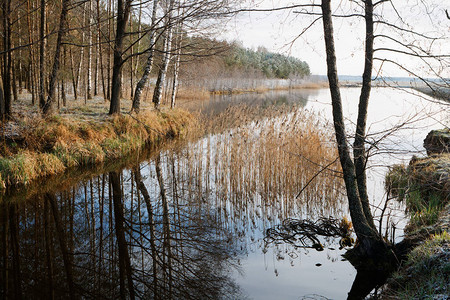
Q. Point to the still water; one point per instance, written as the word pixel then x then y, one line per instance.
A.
pixel 188 221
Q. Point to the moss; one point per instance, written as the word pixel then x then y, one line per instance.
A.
pixel 424 185
pixel 426 273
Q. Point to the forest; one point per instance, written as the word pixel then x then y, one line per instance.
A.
pixel 144 157
pixel 60 50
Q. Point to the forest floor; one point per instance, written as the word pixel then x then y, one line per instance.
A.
pixel 80 134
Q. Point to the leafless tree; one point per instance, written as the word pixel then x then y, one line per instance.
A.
pixel 371 244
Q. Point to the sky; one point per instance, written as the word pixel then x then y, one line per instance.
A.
pixel 278 32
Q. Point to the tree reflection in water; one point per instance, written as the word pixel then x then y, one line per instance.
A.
pixel 174 227
pixel 115 236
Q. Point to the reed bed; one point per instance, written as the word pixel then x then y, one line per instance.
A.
pixel 265 161
pixel 189 93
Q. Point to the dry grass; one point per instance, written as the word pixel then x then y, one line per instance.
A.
pixel 186 93
pixel 273 157
pixel 312 85
pixel 425 187
pixel 82 135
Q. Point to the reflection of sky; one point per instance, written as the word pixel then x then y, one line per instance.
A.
pixel 206 217
pixel 265 276
pixel 269 278
pixel 277 30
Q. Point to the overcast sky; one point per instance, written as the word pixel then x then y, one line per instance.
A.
pixel 277 31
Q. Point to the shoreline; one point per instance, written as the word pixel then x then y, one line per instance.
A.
pixel 34 148
pixel 425 187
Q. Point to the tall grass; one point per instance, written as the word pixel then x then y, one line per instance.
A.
pixel 271 158
pixel 424 186
pixel 50 146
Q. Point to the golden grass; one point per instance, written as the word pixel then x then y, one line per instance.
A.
pixel 84 135
pixel 273 157
pixel 258 89
pixel 186 93
pixel 312 85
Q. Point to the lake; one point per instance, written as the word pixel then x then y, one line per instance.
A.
pixel 190 220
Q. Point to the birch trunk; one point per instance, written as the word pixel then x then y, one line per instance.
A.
pixel 149 63
pixel 176 67
pixel 157 93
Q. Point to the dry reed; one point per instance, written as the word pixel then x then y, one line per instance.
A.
pixel 271 159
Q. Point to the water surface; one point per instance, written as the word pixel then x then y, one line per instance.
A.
pixel 189 222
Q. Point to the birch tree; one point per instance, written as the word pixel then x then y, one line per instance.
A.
pixel 157 92
pixel 149 62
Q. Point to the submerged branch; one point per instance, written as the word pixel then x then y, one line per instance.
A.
pixel 304 233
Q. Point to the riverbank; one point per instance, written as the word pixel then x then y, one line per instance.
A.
pixel 81 135
pixel 424 185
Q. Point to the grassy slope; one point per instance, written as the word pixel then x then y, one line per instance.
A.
pixel 81 135
pixel 425 187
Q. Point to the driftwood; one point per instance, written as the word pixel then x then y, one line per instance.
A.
pixel 305 233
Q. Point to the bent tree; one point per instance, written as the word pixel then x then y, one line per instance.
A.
pixel 371 247
pixel 353 169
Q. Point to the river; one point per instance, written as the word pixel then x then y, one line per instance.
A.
pixel 189 221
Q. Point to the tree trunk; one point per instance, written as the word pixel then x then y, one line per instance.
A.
pixel 48 106
pixel 362 228
pixel 14 80
pixel 80 62
pixel 89 58
pixel 74 79
pixel 7 59
pixel 157 93
pixel 176 66
pixel 100 53
pixel 123 11
pixel 148 66
pixel 42 56
pixel 2 100
pixel 359 152
pixel 63 83
pixel 31 69
pixel 110 30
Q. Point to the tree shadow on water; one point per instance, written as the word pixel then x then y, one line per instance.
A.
pixel 309 234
